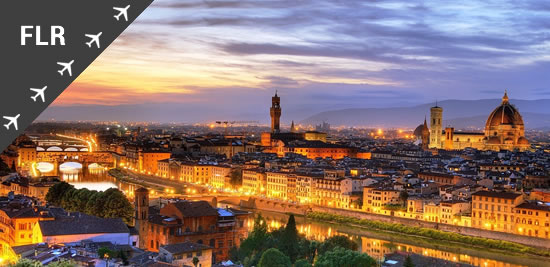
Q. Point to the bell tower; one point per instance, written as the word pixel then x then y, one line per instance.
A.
pixel 436 129
pixel 275 112
pixel 141 203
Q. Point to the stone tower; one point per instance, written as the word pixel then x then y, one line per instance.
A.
pixel 275 112
pixel 436 130
pixel 141 203
pixel 425 135
pixel 292 128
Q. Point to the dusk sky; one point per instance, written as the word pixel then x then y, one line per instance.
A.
pixel 229 57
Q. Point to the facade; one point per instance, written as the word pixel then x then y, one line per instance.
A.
pixel 254 181
pixel 376 198
pixel 279 184
pixel 436 118
pixel 182 254
pixel 504 130
pixel 532 220
pixel 219 175
pixel 494 210
pixel 191 221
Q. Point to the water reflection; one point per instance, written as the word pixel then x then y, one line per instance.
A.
pixel 371 243
pixel 95 178
pixel 378 248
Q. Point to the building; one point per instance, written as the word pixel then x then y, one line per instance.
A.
pixel 275 112
pixel 279 185
pixel 436 117
pixel 328 192
pixel 494 210
pixel 190 221
pixel 219 175
pixel 17 223
pixel 504 130
pixel 182 254
pixel 70 229
pixel 150 160
pixel 375 198
pixel 532 219
pixel 254 181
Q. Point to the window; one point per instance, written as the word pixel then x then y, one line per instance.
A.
pixel 189 255
pixel 199 253
pixel 200 241
pixel 212 242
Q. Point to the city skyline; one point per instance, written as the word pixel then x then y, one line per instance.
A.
pixel 192 55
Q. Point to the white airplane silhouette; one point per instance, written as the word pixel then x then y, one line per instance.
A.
pixel 13 121
pixel 66 67
pixel 39 93
pixel 95 39
pixel 122 11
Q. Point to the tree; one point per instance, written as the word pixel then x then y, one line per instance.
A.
pixel 57 191
pixel 337 241
pixel 274 258
pixel 63 263
pixel 289 242
pixel 4 168
pixel 195 261
pixel 408 262
pixel 104 252
pixel 341 257
pixel 13 168
pixel 26 263
pixel 302 263
pixel 403 196
pixel 236 177
pixel 117 206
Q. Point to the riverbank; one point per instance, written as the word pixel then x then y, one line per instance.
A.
pixel 121 176
pixel 428 233
pixel 378 243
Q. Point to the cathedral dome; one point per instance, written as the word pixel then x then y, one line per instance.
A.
pixel 504 114
pixel 493 140
pixel 418 131
pixel 523 141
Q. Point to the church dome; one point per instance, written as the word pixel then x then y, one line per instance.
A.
pixel 418 131
pixel 493 140
pixel 506 113
pixel 523 141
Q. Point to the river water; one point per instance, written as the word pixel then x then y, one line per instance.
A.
pixel 375 244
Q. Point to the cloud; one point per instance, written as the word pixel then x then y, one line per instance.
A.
pixel 321 54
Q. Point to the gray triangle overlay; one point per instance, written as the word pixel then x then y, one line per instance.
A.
pixel 36 66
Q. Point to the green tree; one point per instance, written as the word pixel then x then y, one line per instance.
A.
pixel 26 263
pixel 117 206
pixel 251 249
pixel 341 257
pixel 289 243
pixel 274 258
pixel 302 263
pixel 403 196
pixel 337 241
pixel 62 263
pixel 236 177
pixel 4 168
pixel 195 261
pixel 57 191
pixel 104 253
pixel 408 262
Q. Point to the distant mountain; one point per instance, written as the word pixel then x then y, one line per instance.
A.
pixel 461 114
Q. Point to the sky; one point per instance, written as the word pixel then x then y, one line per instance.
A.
pixel 219 60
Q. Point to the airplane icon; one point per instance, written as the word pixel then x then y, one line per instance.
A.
pixel 66 67
pixel 122 11
pixel 95 39
pixel 39 93
pixel 13 121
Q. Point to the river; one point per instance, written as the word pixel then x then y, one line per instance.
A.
pixel 376 244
